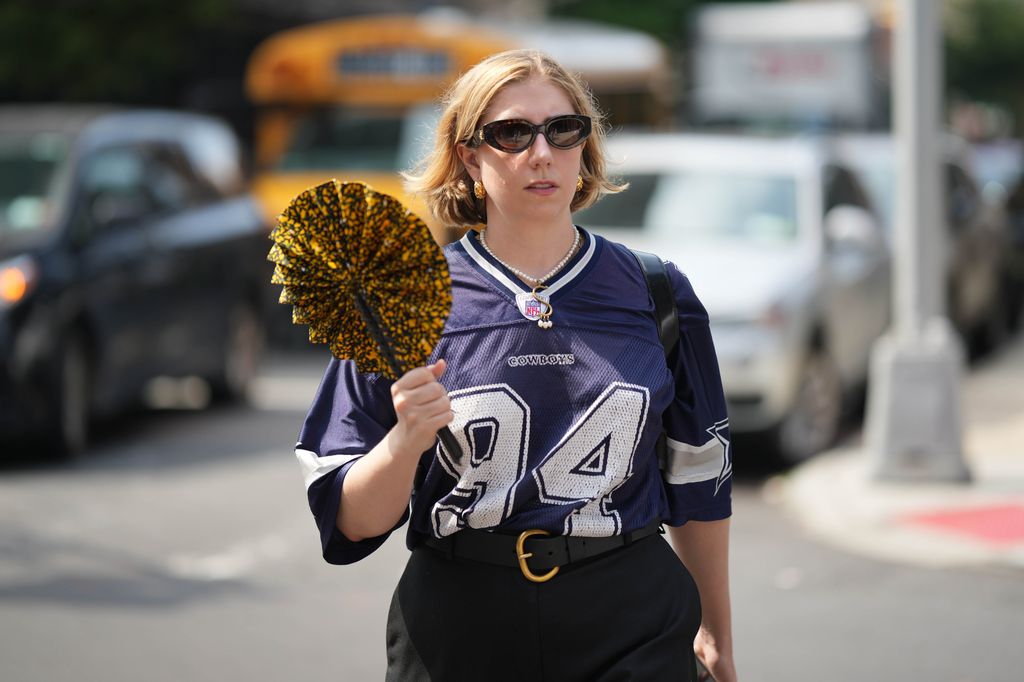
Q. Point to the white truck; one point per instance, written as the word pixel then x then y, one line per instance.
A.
pixel 804 64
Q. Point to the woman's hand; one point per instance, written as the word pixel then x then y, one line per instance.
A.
pixel 375 493
pixel 720 665
pixel 422 406
pixel 703 547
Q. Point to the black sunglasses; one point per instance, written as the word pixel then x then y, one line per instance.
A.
pixel 515 135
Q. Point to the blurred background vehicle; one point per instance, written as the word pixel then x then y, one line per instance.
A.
pixel 356 98
pixel 998 165
pixel 786 253
pixel 128 251
pixel 799 65
pixel 982 292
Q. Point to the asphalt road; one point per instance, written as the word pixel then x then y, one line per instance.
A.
pixel 181 548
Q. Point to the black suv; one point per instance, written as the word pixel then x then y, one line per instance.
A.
pixel 128 251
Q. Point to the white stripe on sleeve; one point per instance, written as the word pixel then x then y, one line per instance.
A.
pixel 314 466
pixel 687 463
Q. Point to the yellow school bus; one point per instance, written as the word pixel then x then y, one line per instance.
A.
pixel 355 99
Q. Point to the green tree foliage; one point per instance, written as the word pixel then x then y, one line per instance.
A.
pixel 137 51
pixel 985 52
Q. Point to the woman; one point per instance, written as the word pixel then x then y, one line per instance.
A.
pixel 536 554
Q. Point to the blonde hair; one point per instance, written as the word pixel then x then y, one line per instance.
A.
pixel 443 181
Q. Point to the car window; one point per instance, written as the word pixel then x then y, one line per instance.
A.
pixel 30 166
pixel 417 138
pixel 625 209
pixel 118 169
pixel 724 206
pixel 114 186
pixel 214 154
pixel 174 184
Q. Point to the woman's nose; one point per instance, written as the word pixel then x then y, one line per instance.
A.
pixel 540 151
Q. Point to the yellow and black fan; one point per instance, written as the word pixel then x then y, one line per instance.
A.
pixel 366 276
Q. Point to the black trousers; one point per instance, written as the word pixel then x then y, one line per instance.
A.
pixel 631 614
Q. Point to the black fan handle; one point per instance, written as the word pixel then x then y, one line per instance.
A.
pixel 447 439
pixel 376 330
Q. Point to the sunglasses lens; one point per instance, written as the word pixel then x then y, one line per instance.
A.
pixel 565 132
pixel 512 135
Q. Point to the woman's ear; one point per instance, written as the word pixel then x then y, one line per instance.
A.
pixel 470 159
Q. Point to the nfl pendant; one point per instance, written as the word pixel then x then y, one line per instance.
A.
pixel 534 307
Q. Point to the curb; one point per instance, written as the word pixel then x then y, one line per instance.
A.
pixel 834 499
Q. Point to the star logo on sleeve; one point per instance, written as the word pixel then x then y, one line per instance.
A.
pixel 720 432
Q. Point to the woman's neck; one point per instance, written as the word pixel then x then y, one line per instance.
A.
pixel 534 250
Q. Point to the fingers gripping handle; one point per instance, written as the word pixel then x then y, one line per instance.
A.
pixel 383 341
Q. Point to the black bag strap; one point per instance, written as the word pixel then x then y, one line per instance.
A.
pixel 664 299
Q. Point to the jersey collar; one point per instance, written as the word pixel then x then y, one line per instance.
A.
pixel 506 280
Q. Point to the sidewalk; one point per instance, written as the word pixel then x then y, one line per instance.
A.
pixel 929 524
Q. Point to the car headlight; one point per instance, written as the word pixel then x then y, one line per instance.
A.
pixel 18 276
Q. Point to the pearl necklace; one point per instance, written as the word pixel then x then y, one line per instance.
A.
pixel 544 278
pixel 544 321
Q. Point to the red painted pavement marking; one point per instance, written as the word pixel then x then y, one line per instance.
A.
pixel 996 524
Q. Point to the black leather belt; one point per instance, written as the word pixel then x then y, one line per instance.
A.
pixel 543 551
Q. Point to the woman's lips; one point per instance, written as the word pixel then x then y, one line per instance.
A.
pixel 542 188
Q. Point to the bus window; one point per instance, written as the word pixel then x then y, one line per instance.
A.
pixel 332 138
pixel 418 131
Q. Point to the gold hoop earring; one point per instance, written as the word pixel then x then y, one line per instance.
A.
pixel 579 183
pixel 478 190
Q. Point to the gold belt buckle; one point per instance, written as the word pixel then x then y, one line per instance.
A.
pixel 524 555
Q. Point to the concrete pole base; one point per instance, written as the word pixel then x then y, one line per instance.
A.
pixel 914 430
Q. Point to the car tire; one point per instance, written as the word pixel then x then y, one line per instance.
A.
pixel 1016 307
pixel 240 355
pixel 812 422
pixel 68 432
pixel 992 331
pixel 999 324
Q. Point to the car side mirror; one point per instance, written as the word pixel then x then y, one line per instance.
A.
pixel 851 228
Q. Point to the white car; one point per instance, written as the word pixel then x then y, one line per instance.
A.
pixel 782 246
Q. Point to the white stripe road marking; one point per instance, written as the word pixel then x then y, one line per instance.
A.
pixel 231 564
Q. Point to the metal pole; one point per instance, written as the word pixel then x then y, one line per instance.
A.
pixel 913 422
pixel 914 159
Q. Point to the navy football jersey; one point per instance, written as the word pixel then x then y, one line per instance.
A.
pixel 558 426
